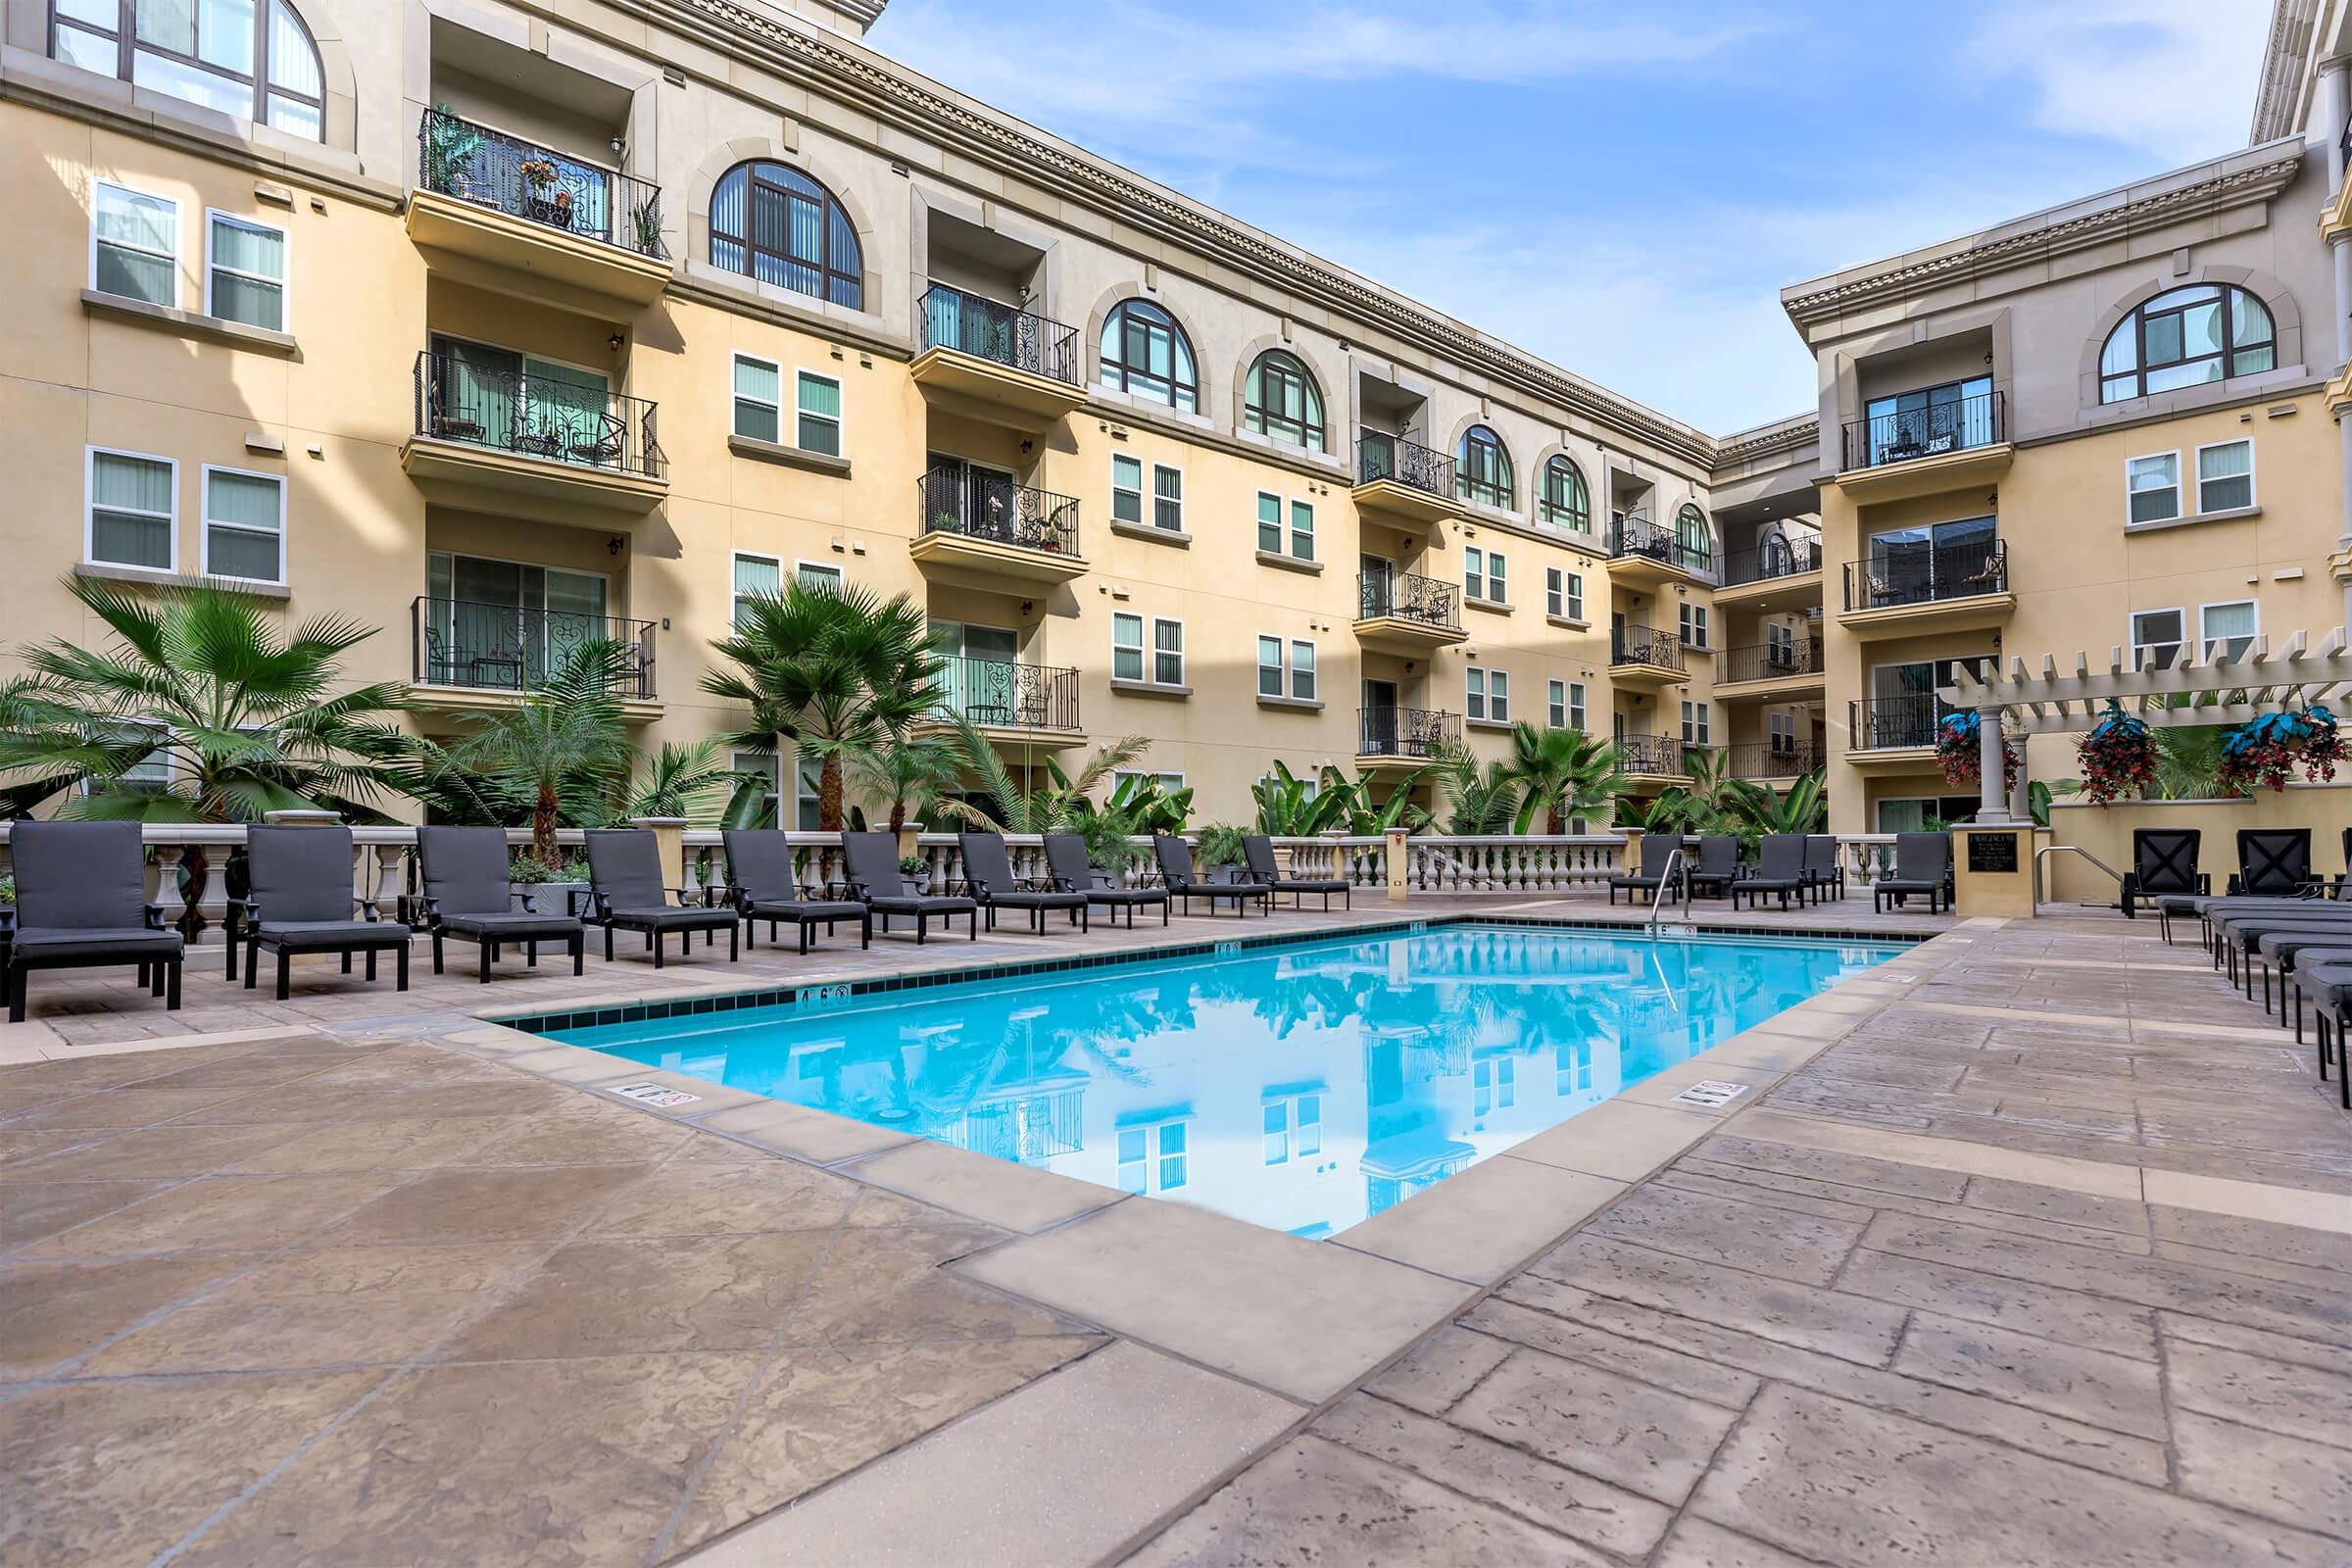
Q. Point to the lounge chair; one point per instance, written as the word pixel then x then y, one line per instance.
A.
pixel 2164 863
pixel 1065 854
pixel 2331 986
pixel 988 877
pixel 1657 854
pixel 2273 860
pixel 626 894
pixel 1175 858
pixel 1923 864
pixel 762 885
pixel 1716 866
pixel 299 898
pixel 81 904
pixel 870 863
pixel 467 896
pixel 1258 850
pixel 2289 952
pixel 1825 867
pixel 1780 870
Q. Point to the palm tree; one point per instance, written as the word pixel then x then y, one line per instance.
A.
pixel 228 718
pixel 837 670
pixel 1561 773
pixel 1053 807
pixel 909 771
pixel 1479 799
pixel 1757 808
pixel 680 779
pixel 563 749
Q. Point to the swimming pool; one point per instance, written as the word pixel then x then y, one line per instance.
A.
pixel 1304 1087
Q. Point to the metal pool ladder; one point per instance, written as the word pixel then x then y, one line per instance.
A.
pixel 1657 900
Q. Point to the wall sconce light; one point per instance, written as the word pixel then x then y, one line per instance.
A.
pixel 615 342
pixel 1027 447
pixel 615 545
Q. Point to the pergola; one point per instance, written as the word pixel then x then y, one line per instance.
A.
pixel 2225 687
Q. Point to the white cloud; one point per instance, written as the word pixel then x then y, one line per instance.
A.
pixel 2174 78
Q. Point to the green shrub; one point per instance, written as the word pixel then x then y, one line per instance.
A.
pixel 1220 846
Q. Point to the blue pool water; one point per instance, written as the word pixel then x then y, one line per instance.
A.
pixel 1302 1087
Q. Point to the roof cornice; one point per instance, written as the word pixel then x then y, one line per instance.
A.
pixel 2067 229
pixel 2278 95
pixel 868 82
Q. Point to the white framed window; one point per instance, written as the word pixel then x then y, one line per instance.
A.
pixel 1780 644
pixel 1126 646
pixel 1474 692
pixel 1497 592
pixel 2157 636
pixel 1494 1085
pixel 1269 667
pixel 1303 531
pixel 808 792
pixel 1499 696
pixel 1571 1068
pixel 1555 703
pixel 246 266
pixel 1126 488
pixel 1576 705
pixel 2225 475
pixel 820 574
pixel 1781 728
pixel 755 578
pixel 816 402
pixel 758 399
pixel 1487 694
pixel 1293 1127
pixel 149 774
pixel 244 525
pixel 1693 624
pixel 1168 498
pixel 1474 572
pixel 1169 783
pixel 766 765
pixel 2229 627
pixel 1695 726
pixel 2153 486
pixel 1153 1159
pixel 134 245
pixel 132 517
pixel 1302 669
pixel 1167 651
pixel 1555 592
pixel 1269 522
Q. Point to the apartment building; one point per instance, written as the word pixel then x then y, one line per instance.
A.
pixel 496 326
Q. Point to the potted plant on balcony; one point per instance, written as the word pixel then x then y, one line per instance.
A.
pixel 538 174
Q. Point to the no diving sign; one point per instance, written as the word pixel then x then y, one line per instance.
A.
pixel 1710 1094
pixel 655 1094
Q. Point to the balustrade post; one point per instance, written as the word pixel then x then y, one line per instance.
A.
pixel 388 878
pixel 163 876
pixel 1399 849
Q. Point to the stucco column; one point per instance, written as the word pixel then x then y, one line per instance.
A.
pixel 669 842
pixel 1992 801
pixel 2336 108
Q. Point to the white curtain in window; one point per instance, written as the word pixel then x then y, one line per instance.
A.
pixel 2226 476
pixel 293 65
pixel 130 506
pixel 758 386
pixel 242 527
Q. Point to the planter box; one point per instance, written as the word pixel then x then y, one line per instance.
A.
pixel 553 898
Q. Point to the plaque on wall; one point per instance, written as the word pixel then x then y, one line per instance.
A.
pixel 1991 853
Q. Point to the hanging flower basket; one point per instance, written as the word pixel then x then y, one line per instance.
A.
pixel 1959 748
pixel 2117 757
pixel 2264 750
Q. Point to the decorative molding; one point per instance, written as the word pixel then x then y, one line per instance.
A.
pixel 2281 86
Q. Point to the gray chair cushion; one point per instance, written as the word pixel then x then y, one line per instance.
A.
pixel 760 865
pixel 466 870
pixel 133 942
pixel 672 917
pixel 624 868
pixel 299 874
pixel 78 875
pixel 330 933
pixel 803 910
pixel 513 927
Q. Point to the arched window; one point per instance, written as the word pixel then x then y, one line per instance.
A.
pixel 774 224
pixel 249 58
pixel 1283 401
pixel 1690 532
pixel 1567 504
pixel 2186 337
pixel 1145 352
pixel 1481 469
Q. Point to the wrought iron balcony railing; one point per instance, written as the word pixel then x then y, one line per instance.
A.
pixel 509 648
pixel 1654 756
pixel 565 422
pixel 1928 576
pixel 1930 430
pixel 1008 694
pixel 980 505
pixel 1632 644
pixel 1781 758
pixel 1780 559
pixel 1380 456
pixel 1404 596
pixel 1631 537
pixel 539 184
pixel 1798 656
pixel 1887 723
pixel 1416 733
pixel 999 334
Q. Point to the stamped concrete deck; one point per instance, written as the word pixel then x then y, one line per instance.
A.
pixel 2036 1245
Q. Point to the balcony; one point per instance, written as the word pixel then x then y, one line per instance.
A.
pixel 973 526
pixel 519 208
pixel 1644 554
pixel 1642 660
pixel 1400 613
pixel 1406 483
pixel 1921 451
pixel 991 362
pixel 1764 761
pixel 1400 739
pixel 1014 705
pixel 1894 734
pixel 1957 588
pixel 1771 671
pixel 469 657
pixel 497 442
pixel 1654 759
pixel 1777 577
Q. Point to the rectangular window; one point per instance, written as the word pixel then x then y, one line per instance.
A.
pixel 1269 667
pixel 148 776
pixel 758 393
pixel 244 525
pixel 1555 703
pixel 1126 647
pixel 2226 476
pixel 768 768
pixel 756 576
pixel 1306 1117
pixel 819 406
pixel 808 792
pixel 1269 522
pixel 1302 669
pixel 2154 484
pixel 1494 1085
pixel 1474 572
pixel 1496 592
pixel 133 510
pixel 1499 696
pixel 2156 637
pixel 1168 498
pixel 1555 595
pixel 245 279
pixel 1696 731
pixel 135 246
pixel 1303 531
pixel 1693 624
pixel 1277 1122
pixel 1151 1159
pixel 2229 628
pixel 818 575
pixel 1576 705
pixel 1474 692
pixel 1571 1068
pixel 1171 1156
pixel 1167 651
pixel 1576 596
pixel 1126 488
pixel 1783 729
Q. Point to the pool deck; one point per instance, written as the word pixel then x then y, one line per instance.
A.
pixel 2033 1246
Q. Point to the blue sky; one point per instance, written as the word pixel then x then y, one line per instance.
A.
pixel 1622 188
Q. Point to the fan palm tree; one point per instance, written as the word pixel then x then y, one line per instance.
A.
pixel 909 771
pixel 1477 798
pixel 836 670
pixel 563 749
pixel 1561 773
pixel 1053 807
pixel 226 719
pixel 679 781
